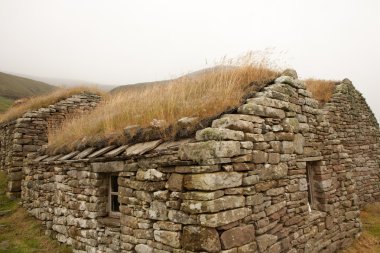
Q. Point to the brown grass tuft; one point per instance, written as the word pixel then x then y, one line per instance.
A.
pixel 322 90
pixel 35 103
pixel 205 95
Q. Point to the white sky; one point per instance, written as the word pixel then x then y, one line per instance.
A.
pixel 120 42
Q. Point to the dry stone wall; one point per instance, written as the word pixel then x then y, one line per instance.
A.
pixel 271 177
pixel 357 129
pixel 27 134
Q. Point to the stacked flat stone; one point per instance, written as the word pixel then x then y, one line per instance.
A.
pixel 357 129
pixel 27 134
pixel 239 185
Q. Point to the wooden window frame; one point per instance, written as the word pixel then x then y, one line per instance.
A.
pixel 310 166
pixel 111 213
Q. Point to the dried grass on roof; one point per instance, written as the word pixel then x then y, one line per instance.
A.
pixel 322 90
pixel 34 103
pixel 204 95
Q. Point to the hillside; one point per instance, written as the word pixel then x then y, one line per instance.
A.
pixel 15 87
pixel 192 75
pixel 66 82
pixel 137 86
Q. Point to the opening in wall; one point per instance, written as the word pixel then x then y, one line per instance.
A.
pixel 113 195
pixel 310 173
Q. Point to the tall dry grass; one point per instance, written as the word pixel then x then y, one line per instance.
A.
pixel 322 90
pixel 35 103
pixel 204 95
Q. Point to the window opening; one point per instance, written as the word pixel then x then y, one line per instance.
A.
pixel 113 194
pixel 310 168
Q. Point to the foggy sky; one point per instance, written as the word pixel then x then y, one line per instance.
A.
pixel 120 42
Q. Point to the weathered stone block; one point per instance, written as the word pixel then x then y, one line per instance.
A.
pixel 223 218
pixel 299 142
pixel 142 248
pixel 254 200
pixel 287 147
pixel 142 185
pixel 196 238
pixel 108 167
pixel 276 191
pixel 170 238
pixel 212 206
pixel 238 236
pixel 248 248
pixel 265 241
pixel 158 211
pixel 175 182
pixel 274 158
pixel 167 225
pixel 212 181
pixel 275 207
pixel 197 169
pixel 219 134
pixel 234 124
pixel 291 125
pixel 251 180
pixel 202 151
pixel 260 110
pixel 259 156
pixel 254 137
pixel 196 195
pixel 273 171
pixel 150 175
pixel 181 217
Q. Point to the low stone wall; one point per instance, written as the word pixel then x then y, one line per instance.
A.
pixel 271 177
pixel 357 129
pixel 27 134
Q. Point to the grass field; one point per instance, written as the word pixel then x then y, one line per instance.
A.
pixel 21 233
pixel 5 103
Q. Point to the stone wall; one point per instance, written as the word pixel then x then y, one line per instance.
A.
pixel 357 129
pixel 271 177
pixel 27 134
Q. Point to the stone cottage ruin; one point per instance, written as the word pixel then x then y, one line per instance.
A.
pixel 280 173
pixel 27 134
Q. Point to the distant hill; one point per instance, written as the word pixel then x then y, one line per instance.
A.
pixel 138 86
pixel 15 87
pixel 163 82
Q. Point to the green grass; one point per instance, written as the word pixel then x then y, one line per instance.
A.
pixel 14 87
pixel 5 202
pixel 21 233
pixel 5 103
